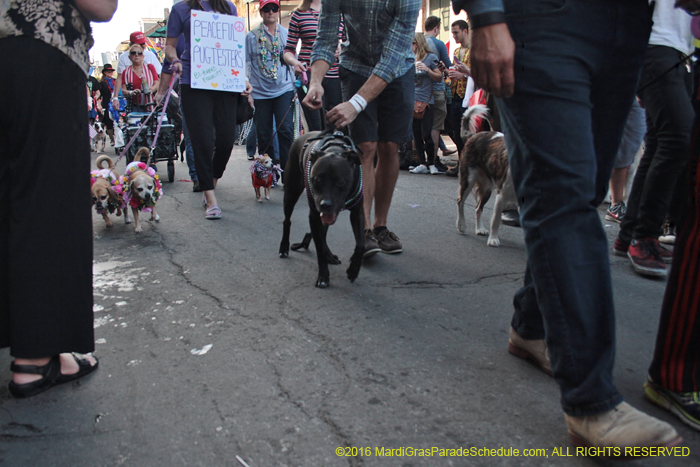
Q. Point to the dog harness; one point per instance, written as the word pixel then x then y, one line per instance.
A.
pixel 116 186
pixel 134 201
pixel 319 145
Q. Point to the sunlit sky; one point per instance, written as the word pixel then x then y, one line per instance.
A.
pixel 125 21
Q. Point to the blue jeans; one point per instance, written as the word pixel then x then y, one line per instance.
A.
pixel 576 69
pixel 669 118
pixel 269 111
pixel 251 142
pixel 189 152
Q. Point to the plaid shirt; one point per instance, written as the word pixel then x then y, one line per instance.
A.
pixel 380 33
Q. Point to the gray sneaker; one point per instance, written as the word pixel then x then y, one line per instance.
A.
pixel 620 430
pixel 371 245
pixel 388 241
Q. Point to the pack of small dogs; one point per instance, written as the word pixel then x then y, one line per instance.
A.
pixel 483 168
pixel 139 189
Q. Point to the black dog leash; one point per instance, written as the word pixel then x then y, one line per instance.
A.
pixel 653 80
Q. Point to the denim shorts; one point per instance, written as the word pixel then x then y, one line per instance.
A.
pixel 389 117
pixel 632 137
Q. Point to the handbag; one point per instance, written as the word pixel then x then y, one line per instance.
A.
pixel 244 111
pixel 419 109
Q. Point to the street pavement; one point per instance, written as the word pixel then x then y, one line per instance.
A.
pixel 213 347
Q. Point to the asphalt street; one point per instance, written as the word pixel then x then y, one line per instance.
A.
pixel 213 347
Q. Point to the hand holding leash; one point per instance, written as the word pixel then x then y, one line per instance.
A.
pixel 342 114
pixel 314 98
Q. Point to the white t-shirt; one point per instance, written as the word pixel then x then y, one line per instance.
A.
pixel 671 27
pixel 148 57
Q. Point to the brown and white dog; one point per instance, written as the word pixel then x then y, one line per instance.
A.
pixel 141 187
pixel 263 173
pixel 106 190
pixel 101 137
pixel 484 164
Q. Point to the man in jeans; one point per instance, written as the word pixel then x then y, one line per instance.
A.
pixel 376 72
pixel 568 75
pixel 669 115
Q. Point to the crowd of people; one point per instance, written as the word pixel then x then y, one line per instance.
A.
pixel 565 84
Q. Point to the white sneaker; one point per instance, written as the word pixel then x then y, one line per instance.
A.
pixel 620 430
pixel 434 170
pixel 421 169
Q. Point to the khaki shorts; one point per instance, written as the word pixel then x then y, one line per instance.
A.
pixel 439 110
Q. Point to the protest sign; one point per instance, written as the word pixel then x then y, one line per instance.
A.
pixel 217 51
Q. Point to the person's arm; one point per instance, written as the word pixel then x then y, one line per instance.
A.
pixel 444 56
pixel 163 86
pixel 290 48
pixel 433 72
pixel 99 11
pixel 323 54
pixel 175 29
pixel 398 40
pixel 691 6
pixel 171 54
pixel 492 48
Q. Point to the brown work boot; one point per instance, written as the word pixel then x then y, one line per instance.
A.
pixel 388 241
pixel 622 432
pixel 532 350
pixel 371 245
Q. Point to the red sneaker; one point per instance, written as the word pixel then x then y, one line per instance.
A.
pixel 665 254
pixel 645 258
pixel 620 247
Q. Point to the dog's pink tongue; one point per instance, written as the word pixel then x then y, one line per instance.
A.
pixel 328 219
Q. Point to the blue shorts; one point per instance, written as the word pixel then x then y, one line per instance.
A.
pixel 389 117
pixel 632 137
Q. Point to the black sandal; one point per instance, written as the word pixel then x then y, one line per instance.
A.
pixel 51 375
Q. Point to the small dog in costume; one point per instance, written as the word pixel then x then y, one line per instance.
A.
pixel 264 174
pixel 141 187
pixel 107 191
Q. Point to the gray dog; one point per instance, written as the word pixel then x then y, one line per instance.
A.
pixel 327 165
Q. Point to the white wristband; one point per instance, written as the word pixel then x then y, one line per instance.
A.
pixel 358 102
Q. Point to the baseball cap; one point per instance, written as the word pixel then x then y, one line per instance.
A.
pixel 137 38
pixel 267 2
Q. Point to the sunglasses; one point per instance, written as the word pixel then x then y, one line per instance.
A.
pixel 270 8
pixel 135 52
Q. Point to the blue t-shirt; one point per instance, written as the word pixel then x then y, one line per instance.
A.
pixel 423 82
pixel 440 49
pixel 265 87
pixel 179 23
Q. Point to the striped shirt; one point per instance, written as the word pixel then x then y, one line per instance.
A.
pixel 303 25
pixel 135 80
pixel 379 32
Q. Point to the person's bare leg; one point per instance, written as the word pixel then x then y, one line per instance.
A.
pixel 385 181
pixel 68 367
pixel 618 180
pixel 211 196
pixel 369 150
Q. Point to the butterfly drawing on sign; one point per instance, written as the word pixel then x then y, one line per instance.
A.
pixel 234 72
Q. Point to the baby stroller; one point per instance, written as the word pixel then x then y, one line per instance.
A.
pixel 165 148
